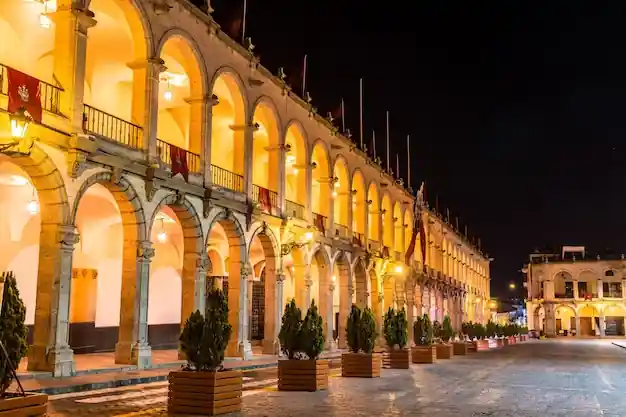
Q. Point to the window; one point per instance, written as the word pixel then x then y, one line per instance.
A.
pixel 609 273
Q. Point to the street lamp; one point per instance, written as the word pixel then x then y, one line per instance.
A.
pixel 512 286
pixel 19 124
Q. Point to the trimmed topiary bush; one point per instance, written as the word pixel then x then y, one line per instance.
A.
pixel 447 332
pixel 423 331
pixel 13 332
pixel 312 333
pixel 402 326
pixel 491 329
pixel 437 330
pixel 395 329
pixel 352 328
pixel 367 331
pixel 289 335
pixel 204 338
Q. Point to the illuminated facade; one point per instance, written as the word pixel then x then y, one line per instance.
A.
pixel 573 293
pixel 112 252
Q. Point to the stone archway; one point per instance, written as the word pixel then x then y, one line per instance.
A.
pixel 376 297
pixel 361 285
pixel 49 350
pixel 238 273
pixel 194 258
pixel 341 270
pixel 132 346
pixel 323 292
pixel 269 317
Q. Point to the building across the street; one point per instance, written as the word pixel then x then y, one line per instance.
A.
pixel 161 159
pixel 576 293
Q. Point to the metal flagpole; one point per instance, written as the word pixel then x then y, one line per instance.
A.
pixel 361 112
pixel 374 143
pixel 343 116
pixel 398 166
pixel 304 76
pixel 388 141
pixel 408 158
pixel 243 24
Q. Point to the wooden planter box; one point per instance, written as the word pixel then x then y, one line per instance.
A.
pixel 295 375
pixel 471 346
pixel 499 343
pixel 444 350
pixel 204 393
pixel 424 354
pixel 460 348
pixel 28 406
pixel 482 344
pixel 361 365
pixel 517 339
pixel 506 341
pixel 399 358
pixel 512 340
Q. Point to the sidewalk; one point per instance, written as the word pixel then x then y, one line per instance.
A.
pixel 112 378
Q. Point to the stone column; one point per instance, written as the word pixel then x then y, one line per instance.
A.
pixel 280 306
pixel 206 151
pixel 600 289
pixel 132 347
pixel 330 313
pixel 550 320
pixel 244 348
pixel 602 323
pixel 200 284
pixel 200 110
pixel 50 350
pixel 576 295
pixel 248 140
pixel 301 292
pixel 578 325
pixel 623 288
pixel 308 283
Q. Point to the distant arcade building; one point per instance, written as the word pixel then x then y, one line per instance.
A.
pixel 576 294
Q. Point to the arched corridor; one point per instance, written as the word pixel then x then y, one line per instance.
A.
pixel 321 187
pixel 296 171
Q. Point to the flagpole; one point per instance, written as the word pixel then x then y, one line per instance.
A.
pixel 304 76
pixel 343 117
pixel 361 112
pixel 398 166
pixel 374 143
pixel 387 140
pixel 243 25
pixel 408 159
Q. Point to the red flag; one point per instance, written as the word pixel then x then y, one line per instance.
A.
pixel 418 227
pixel 264 200
pixel 179 162
pixel 337 113
pixel 24 94
pixel 319 223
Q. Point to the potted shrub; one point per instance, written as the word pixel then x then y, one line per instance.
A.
pixel 13 334
pixel 203 386
pixel 396 337
pixel 443 334
pixel 499 332
pixel 480 334
pixel 302 341
pixel 424 351
pixel 461 347
pixel 361 361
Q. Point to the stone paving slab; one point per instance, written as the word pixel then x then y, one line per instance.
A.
pixel 94 381
pixel 547 378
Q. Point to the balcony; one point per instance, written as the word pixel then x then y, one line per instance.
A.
pixel 373 245
pixel 50 94
pixel 164 153
pixel 267 199
pixel 321 222
pixel 226 179
pixel 612 294
pixel 358 239
pixel 341 231
pixel 100 123
pixel 565 295
pixel 294 210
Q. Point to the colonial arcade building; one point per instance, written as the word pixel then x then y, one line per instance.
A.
pixel 167 160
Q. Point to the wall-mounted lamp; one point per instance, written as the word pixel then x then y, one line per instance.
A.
pixel 19 124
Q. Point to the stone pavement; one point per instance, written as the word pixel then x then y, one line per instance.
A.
pixel 538 378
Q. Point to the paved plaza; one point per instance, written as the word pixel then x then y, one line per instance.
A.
pixel 562 377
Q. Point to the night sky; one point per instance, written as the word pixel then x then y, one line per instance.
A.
pixel 515 108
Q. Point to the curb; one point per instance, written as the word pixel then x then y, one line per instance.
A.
pixel 618 345
pixel 123 382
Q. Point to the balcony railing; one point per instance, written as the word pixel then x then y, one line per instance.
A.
pixel 564 295
pixel 164 152
pixel 321 222
pixel 358 239
pixel 373 245
pixel 294 209
pixel 266 198
pixel 612 294
pixel 341 231
pixel 50 94
pixel 111 127
pixel 226 179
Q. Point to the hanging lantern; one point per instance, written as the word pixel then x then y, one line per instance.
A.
pixel 32 207
pixel 19 124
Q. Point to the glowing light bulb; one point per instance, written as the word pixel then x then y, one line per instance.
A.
pixel 308 236
pixel 162 237
pixel 168 96
pixel 295 170
pixel 334 194
pixel 399 269
pixel 334 278
pixel 32 207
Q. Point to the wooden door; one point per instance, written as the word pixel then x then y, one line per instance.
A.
pixel 586 329
pixel 559 326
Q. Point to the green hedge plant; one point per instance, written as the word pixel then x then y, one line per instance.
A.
pixel 301 339
pixel 361 330
pixel 289 335
pixel 312 333
pixel 13 332
pixel 447 332
pixel 423 331
pixel 352 328
pixel 204 338
pixel 395 329
pixel 437 330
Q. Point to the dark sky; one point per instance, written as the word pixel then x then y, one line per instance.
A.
pixel 516 109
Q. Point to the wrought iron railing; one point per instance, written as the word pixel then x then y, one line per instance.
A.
pixel 321 222
pixel 373 245
pixel 341 231
pixel 226 179
pixel 294 209
pixel 50 94
pixel 358 238
pixel 164 152
pixel 111 127
pixel 271 205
